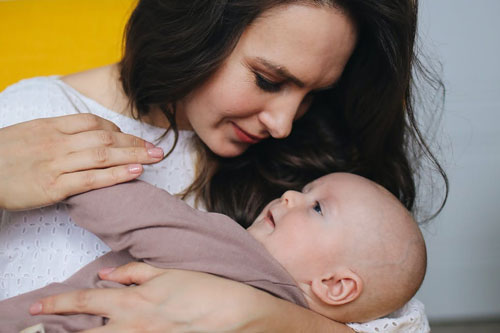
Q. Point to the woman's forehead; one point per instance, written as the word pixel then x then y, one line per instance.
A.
pixel 313 43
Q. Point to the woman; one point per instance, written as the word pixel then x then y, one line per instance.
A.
pixel 237 74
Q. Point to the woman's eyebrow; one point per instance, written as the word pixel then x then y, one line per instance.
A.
pixel 281 71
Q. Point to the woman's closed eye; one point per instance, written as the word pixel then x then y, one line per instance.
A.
pixel 317 208
pixel 267 85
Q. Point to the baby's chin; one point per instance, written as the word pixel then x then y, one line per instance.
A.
pixel 259 229
pixel 263 226
pixel 253 231
pixel 259 217
pixel 254 226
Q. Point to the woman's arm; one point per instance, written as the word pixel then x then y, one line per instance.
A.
pixel 185 301
pixel 282 316
pixel 46 160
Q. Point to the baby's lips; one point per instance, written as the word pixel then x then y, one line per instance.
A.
pixel 270 216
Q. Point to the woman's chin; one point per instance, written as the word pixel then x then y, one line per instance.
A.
pixel 229 150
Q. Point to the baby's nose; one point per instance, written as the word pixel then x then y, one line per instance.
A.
pixel 292 198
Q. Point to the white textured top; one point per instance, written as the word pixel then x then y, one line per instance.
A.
pixel 410 318
pixel 43 245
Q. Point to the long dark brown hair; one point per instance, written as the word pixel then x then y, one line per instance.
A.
pixel 366 124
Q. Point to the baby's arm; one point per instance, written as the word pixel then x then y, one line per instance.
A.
pixel 15 316
pixel 153 226
pixel 148 222
pixel 14 312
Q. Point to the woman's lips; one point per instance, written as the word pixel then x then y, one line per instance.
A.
pixel 244 136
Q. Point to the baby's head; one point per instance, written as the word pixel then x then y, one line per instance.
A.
pixel 350 245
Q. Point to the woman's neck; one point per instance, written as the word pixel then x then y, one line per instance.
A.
pixel 103 85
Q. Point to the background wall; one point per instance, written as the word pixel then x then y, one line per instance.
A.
pixel 463 280
pixel 46 37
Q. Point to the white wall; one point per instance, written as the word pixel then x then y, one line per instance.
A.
pixel 463 279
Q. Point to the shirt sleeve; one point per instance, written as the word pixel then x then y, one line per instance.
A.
pixel 134 216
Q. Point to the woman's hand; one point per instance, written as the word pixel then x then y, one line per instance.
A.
pixel 184 301
pixel 163 301
pixel 43 161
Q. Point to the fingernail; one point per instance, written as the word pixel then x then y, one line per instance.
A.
pixel 36 308
pixel 155 152
pixel 106 271
pixel 135 168
pixel 149 144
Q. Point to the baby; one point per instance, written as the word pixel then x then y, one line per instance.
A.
pixel 343 247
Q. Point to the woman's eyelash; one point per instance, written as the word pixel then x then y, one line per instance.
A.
pixel 265 84
pixel 317 208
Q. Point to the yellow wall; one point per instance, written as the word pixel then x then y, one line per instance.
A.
pixel 45 37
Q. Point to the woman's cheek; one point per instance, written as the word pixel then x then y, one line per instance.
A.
pixel 303 107
pixel 242 105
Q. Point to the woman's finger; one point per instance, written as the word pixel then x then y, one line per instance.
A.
pixel 102 138
pixel 131 273
pixel 81 122
pixel 39 166
pixel 103 157
pixel 83 181
pixel 80 301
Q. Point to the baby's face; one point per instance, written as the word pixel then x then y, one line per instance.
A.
pixel 305 231
pixel 343 227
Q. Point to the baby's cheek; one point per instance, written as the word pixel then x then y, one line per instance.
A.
pixel 286 247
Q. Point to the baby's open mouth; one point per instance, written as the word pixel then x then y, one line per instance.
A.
pixel 271 218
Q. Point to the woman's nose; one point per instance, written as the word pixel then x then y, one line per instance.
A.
pixel 279 117
pixel 292 198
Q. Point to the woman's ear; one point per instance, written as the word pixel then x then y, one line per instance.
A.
pixel 338 288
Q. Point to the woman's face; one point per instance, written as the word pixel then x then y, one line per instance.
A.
pixel 265 84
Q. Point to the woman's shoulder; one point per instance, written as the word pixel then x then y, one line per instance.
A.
pixel 90 91
pixel 102 85
pixel 38 97
pixel 32 86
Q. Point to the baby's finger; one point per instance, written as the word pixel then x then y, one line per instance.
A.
pixel 101 138
pixel 81 122
pixel 80 301
pixel 83 181
pixel 131 273
pixel 103 157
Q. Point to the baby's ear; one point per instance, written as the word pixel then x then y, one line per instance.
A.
pixel 338 288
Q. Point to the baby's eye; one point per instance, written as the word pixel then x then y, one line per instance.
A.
pixel 317 208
